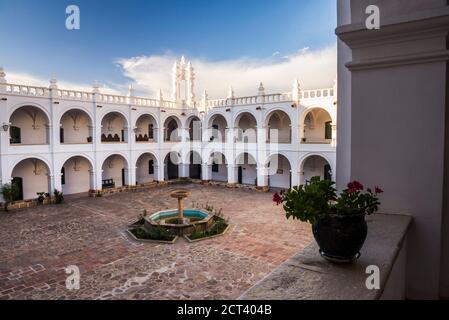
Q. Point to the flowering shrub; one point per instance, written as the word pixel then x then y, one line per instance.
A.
pixel 319 199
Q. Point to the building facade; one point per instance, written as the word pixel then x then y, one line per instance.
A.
pixel 52 138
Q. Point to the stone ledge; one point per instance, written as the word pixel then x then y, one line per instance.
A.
pixel 307 276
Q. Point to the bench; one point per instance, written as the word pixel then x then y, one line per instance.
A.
pixel 108 184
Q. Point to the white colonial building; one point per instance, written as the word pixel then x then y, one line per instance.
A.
pixel 52 138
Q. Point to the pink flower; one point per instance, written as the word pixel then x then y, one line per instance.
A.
pixel 378 190
pixel 354 186
pixel 277 199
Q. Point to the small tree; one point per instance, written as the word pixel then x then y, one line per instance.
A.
pixel 9 191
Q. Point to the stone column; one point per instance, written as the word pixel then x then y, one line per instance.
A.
pixel 262 178
pixel 232 174
pixel 206 172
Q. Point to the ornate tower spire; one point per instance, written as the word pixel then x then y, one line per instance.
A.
pixel 183 79
pixel 2 76
pixel 296 91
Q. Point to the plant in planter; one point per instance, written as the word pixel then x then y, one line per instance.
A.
pixel 89 139
pixel 40 197
pixel 9 191
pixel 59 197
pixel 338 222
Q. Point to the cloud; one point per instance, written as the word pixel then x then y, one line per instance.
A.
pixel 314 69
pixel 31 80
pixel 148 74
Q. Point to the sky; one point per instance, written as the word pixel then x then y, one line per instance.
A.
pixel 236 43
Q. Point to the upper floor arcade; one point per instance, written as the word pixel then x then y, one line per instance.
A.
pixel 52 118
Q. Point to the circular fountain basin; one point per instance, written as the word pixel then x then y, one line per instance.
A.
pixel 193 219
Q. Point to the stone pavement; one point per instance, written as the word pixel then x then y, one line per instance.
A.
pixel 37 244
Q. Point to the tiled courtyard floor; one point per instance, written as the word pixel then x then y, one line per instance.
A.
pixel 37 244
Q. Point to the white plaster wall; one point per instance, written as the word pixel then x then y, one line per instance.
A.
pixel 314 167
pixel 405 154
pixel 142 125
pixel 32 183
pixel 220 136
pixel 77 176
pixel 248 124
pixel 315 125
pixel 280 121
pixel 343 174
pixel 393 9
pixel 142 168
pixel 112 169
pixel 113 123
pixel 76 133
pixel 30 135
pixel 281 180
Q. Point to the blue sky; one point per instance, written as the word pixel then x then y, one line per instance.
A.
pixel 36 42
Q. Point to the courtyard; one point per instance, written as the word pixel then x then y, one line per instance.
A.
pixel 37 244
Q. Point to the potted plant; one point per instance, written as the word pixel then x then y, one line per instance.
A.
pixel 89 139
pixel 40 197
pixel 9 191
pixel 59 197
pixel 338 222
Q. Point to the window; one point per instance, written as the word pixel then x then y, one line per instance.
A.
pixel 14 133
pixel 63 176
pixel 150 131
pixel 328 130
pixel 151 167
pixel 61 135
pixel 327 172
pixel 214 167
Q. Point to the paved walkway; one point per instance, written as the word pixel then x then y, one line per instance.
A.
pixel 37 244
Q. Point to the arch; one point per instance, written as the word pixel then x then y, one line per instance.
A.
pixel 32 123
pixel 148 113
pixel 115 171
pixel 195 128
pixel 146 168
pixel 171 165
pixel 278 120
pixel 77 175
pixel 279 171
pixel 317 126
pixel 315 164
pixel 30 104
pixel 30 171
pixel 194 160
pixel 246 124
pixel 218 166
pixel 172 129
pixel 77 126
pixel 145 128
pixel 114 127
pixel 246 169
pixel 217 126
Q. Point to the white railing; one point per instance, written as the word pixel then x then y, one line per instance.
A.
pixel 75 95
pixel 27 90
pixel 317 93
pixel 148 102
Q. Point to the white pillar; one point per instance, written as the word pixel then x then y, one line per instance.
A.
pixel 295 178
pixel 183 170
pixel 99 177
pixel 206 174
pixel 262 177
pixel 232 174
pixel 130 176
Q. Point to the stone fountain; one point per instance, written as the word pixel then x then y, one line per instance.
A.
pixel 180 194
pixel 181 221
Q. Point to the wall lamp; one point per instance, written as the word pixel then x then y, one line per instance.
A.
pixel 5 127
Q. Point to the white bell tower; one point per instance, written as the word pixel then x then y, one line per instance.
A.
pixel 183 78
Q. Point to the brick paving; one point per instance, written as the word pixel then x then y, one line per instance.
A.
pixel 37 244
